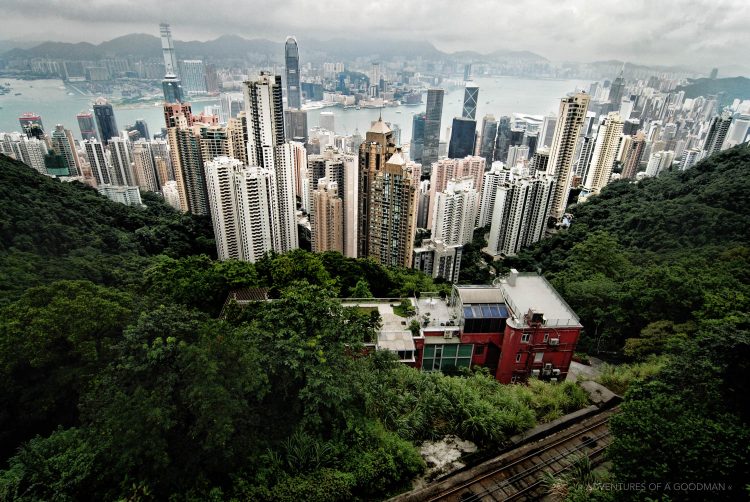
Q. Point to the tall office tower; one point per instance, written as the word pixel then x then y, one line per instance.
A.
pixel 570 119
pixel 144 166
pixel 616 91
pixel 171 84
pixel 193 75
pixel 626 108
pixel 432 128
pixel 86 125
pixel 417 137
pixel 266 148
pixel 121 156
pixel 516 154
pixel 488 136
pixel 291 58
pixel 212 79
pixel 714 73
pixel 467 72
pixel 97 157
pixel 105 120
pixel 387 200
pixel 31 125
pixel 502 142
pixel 717 132
pixel 520 214
pixel 455 212
pixel 375 80
pixel 632 157
pixel 142 127
pixel 471 96
pixel 547 131
pixel 463 138
pixel 327 218
pixel 424 203
pixel 531 141
pixel 64 145
pixel 215 142
pixel 237 132
pixel 607 143
pixel 539 161
pixel 497 176
pixel 296 125
pixel 327 121
pixel 690 157
pixel 738 132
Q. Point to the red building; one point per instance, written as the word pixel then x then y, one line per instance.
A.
pixel 518 328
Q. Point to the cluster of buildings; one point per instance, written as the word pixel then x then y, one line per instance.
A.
pixel 271 183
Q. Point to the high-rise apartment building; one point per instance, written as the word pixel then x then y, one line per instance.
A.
pixel 86 125
pixel 547 131
pixel 520 213
pixel 690 157
pixel 455 212
pixel 605 151
pixel 105 120
pixel 438 260
pixel 562 152
pixel 433 116
pixel 492 179
pixel 241 202
pixel 659 162
pixel 64 145
pixel 121 158
pixel 98 161
pixel 266 148
pixel 144 166
pixel 632 157
pixel 31 125
pixel 471 96
pixel 291 58
pixel 502 140
pixel 327 217
pixel 717 132
pixel 387 200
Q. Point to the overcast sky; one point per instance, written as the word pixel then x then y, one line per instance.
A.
pixel 700 33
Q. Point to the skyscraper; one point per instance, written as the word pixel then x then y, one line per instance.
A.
pixel 547 131
pixel 105 120
pixel 387 200
pixel 432 128
pixel 63 145
pixel 567 130
pixel 193 74
pixel 445 170
pixel 31 125
pixel 120 150
pixel 603 159
pixel 471 96
pixel 98 161
pixel 171 85
pixel 327 218
pixel 616 91
pixel 487 138
pixel 266 148
pixel 495 177
pixel 86 125
pixel 291 58
pixel 296 125
pixel 144 166
pixel 717 132
pixel 502 141
pixel 455 212
pixel 142 127
pixel 463 138
pixel 632 157
pixel 417 137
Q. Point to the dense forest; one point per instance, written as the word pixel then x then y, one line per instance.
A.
pixel 121 381
pixel 659 272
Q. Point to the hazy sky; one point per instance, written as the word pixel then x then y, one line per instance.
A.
pixel 701 33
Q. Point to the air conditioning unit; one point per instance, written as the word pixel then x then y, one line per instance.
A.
pixel 556 372
pixel 547 366
pixel 553 380
pixel 448 335
pixel 535 373
pixel 554 341
pixel 534 318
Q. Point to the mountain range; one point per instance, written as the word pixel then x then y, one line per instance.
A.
pixel 234 46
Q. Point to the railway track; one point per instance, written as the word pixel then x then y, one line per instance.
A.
pixel 519 474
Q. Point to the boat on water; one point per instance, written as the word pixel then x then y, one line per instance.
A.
pixel 398 111
pixel 17 94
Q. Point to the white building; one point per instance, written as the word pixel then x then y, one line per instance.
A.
pixel 130 196
pixel 98 161
pixel 121 158
pixel 493 178
pixel 193 75
pixel 605 151
pixel 455 212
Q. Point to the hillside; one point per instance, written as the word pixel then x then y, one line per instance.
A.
pixel 674 248
pixel 51 230
pixel 732 88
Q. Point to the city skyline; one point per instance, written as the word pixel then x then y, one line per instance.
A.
pixel 698 34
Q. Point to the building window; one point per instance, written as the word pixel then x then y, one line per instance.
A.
pixel 525 337
pixel 538 357
pixel 444 357
pixel 479 350
pixel 518 357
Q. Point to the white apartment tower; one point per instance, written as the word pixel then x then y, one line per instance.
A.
pixel 496 176
pixel 455 212
pixel 562 151
pixel 603 159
